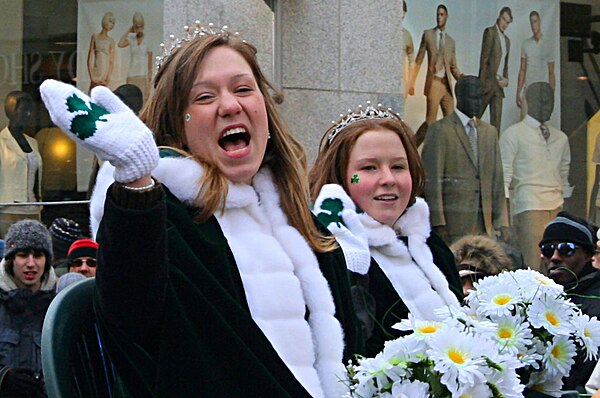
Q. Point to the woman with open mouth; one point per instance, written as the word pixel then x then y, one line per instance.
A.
pixel 213 278
pixel 365 183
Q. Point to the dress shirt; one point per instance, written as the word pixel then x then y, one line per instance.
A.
pixel 442 71
pixel 503 48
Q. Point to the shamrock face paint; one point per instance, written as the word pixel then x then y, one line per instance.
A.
pixel 354 179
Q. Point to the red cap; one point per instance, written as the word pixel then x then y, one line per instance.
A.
pixel 83 248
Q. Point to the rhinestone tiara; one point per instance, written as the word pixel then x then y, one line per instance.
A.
pixel 368 112
pixel 190 33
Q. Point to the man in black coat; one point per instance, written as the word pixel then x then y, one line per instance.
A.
pixel 567 247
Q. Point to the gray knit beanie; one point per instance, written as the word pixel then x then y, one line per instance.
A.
pixel 28 234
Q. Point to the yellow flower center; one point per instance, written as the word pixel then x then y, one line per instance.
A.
pixel 586 333
pixel 505 333
pixel 428 329
pixel 502 299
pixel 541 281
pixel 556 352
pixel 456 356
pixel 552 319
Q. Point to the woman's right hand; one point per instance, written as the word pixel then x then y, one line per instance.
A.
pixel 104 125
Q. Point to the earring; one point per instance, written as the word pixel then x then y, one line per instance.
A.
pixel 188 117
pixel 269 136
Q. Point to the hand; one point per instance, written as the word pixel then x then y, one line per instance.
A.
pixel 337 212
pixel 506 235
pixel 503 82
pixel 519 101
pixel 22 383
pixel 411 90
pixel 104 125
pixel 442 232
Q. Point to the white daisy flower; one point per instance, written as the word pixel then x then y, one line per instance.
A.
pixel 532 356
pixel 410 389
pixel 498 299
pixel 588 331
pixel 551 314
pixel 371 372
pixel 505 378
pixel 559 356
pixel 532 284
pixel 548 385
pixel 458 357
pixel 512 335
pixel 421 329
pixel 476 391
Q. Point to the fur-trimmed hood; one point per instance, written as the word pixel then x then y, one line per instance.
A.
pixel 7 283
pixel 481 253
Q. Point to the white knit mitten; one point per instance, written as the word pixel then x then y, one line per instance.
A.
pixel 104 125
pixel 337 212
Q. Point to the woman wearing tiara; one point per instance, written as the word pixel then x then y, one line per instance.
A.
pixel 213 278
pixel 365 185
pixel 101 54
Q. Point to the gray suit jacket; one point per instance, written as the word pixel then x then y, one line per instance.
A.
pixel 429 43
pixel 491 59
pixel 454 182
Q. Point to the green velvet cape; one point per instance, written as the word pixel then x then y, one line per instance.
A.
pixel 199 339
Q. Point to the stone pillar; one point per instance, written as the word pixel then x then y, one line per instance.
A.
pixel 337 54
pixel 252 18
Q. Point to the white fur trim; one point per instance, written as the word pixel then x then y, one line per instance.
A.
pixel 327 332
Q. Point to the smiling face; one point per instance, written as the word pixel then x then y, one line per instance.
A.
pixel 28 269
pixel 227 124
pixel 378 175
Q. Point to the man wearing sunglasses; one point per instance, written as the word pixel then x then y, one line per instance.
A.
pixel 567 248
pixel 82 257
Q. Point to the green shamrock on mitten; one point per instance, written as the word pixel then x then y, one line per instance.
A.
pixel 84 125
pixel 334 207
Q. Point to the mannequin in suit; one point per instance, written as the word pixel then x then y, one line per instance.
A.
pixel 441 67
pixel 464 174
pixel 493 66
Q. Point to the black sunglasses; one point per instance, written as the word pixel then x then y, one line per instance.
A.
pixel 565 249
pixel 79 262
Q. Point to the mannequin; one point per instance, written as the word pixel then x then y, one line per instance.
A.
pixel 468 95
pixel 20 163
pixel 464 175
pixel 540 100
pixel 536 160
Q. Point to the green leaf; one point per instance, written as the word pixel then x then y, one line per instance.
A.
pixel 333 207
pixel 84 124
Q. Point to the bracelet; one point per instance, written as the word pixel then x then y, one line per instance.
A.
pixel 144 188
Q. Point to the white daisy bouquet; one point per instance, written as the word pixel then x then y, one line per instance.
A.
pixel 532 320
pixel 517 330
pixel 438 360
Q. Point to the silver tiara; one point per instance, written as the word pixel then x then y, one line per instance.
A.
pixel 369 112
pixel 190 33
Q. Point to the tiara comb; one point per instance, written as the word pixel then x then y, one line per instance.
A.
pixel 190 33
pixel 369 112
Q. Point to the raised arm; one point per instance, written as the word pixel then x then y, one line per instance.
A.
pixel 131 260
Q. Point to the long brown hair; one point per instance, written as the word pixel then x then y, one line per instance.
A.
pixel 332 161
pixel 285 155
